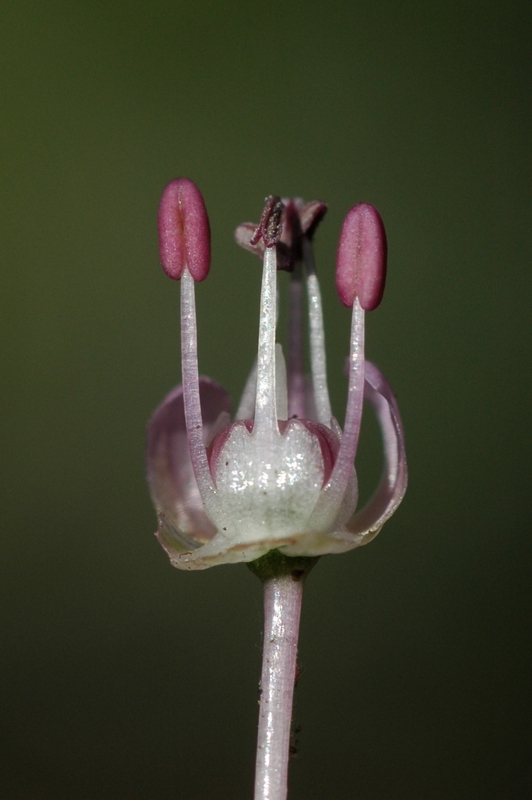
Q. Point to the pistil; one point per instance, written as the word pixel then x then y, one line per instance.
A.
pixel 269 230
pixel 265 401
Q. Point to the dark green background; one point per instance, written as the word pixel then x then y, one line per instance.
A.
pixel 121 677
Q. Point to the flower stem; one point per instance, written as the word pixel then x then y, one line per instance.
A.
pixel 283 579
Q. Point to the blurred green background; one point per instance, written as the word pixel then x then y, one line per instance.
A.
pixel 122 677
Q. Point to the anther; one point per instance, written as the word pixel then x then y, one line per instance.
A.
pixel 361 258
pixel 184 232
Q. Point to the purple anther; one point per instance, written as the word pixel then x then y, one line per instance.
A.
pixel 184 232
pixel 361 258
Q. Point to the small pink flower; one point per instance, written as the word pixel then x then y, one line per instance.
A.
pixel 281 475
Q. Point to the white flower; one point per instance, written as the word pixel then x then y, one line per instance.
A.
pixel 281 475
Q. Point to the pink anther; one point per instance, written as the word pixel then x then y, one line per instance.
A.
pixel 361 258
pixel 184 232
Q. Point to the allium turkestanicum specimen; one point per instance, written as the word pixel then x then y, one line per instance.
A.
pixel 280 475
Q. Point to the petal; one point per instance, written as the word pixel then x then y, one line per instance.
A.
pixel 221 551
pixel 182 521
pixel 311 215
pixel 368 521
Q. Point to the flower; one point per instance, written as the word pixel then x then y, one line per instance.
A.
pixel 281 475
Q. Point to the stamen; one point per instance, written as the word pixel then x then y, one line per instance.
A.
pixel 318 358
pixel 296 365
pixel 191 395
pixel 343 468
pixel 360 277
pixel 184 247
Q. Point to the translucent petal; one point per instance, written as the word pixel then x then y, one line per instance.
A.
pixel 182 520
pixel 369 520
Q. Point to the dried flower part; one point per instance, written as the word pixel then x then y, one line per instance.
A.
pixel 300 221
pixel 361 258
pixel 310 216
pixel 184 232
pixel 270 226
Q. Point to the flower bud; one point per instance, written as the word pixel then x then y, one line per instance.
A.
pixel 361 258
pixel 184 233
